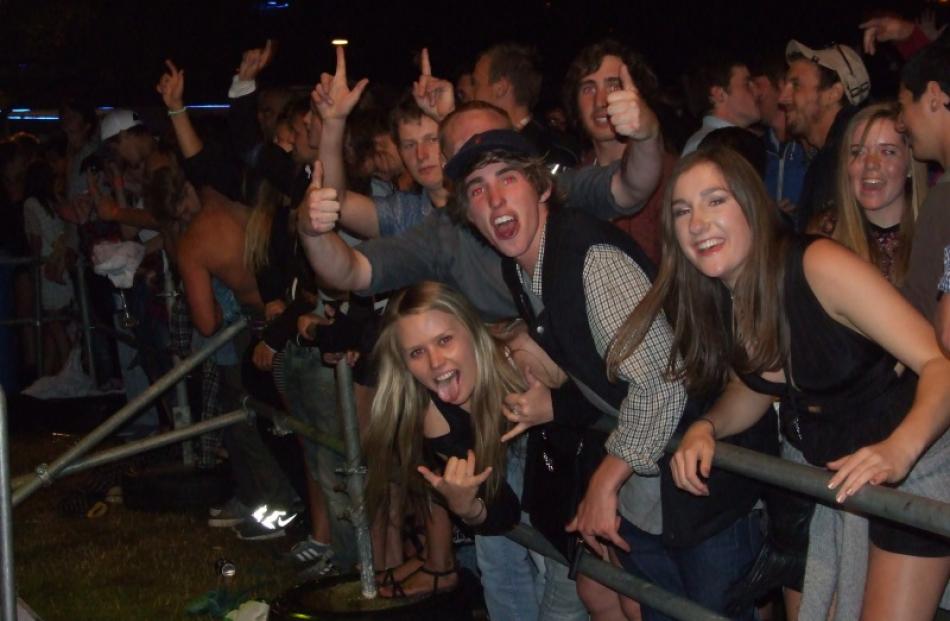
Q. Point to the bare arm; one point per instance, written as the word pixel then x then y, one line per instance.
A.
pixel 172 87
pixel 738 408
pixel 639 172
pixel 337 265
pixel 942 323
pixel 334 100
pixel 855 294
pixel 204 311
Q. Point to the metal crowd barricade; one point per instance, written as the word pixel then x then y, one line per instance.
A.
pixel 891 504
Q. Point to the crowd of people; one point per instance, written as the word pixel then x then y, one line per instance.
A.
pixel 533 304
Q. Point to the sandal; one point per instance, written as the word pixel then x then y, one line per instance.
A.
pixel 399 592
pixel 387 577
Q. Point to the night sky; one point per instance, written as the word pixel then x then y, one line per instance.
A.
pixel 111 52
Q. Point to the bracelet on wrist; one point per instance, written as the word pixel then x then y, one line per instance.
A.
pixel 711 423
pixel 481 511
pixel 178 111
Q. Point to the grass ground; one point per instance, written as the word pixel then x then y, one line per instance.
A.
pixel 125 564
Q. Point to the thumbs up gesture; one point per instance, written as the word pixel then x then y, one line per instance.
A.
pixel 332 96
pixel 435 96
pixel 529 408
pixel 629 114
pixel 320 208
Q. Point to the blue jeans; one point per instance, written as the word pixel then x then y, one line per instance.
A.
pixel 702 572
pixel 509 572
pixel 311 397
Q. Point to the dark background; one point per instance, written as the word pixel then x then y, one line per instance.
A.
pixel 110 51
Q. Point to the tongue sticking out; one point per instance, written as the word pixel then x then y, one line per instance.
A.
pixel 448 390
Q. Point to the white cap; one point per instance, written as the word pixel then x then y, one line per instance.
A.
pixel 844 61
pixel 117 121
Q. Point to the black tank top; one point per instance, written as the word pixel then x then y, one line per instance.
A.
pixel 844 392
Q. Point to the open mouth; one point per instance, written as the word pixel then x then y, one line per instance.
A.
pixel 711 245
pixel 448 386
pixel 506 227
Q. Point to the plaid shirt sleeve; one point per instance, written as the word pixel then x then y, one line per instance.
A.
pixel 613 285
pixel 944 284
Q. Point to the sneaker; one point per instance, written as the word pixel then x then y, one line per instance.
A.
pixel 264 523
pixel 252 530
pixel 324 568
pixel 310 551
pixel 231 513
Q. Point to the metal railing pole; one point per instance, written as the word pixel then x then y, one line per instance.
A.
pixel 84 317
pixel 355 477
pixel 38 316
pixel 146 444
pixel 48 473
pixel 181 413
pixel 6 520
pixel 926 513
pixel 299 427
pixel 616 578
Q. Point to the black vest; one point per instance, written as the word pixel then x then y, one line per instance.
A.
pixel 562 329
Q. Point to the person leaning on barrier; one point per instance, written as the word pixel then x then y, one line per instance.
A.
pixel 765 315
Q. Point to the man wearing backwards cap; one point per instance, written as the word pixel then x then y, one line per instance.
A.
pixel 822 91
pixel 574 298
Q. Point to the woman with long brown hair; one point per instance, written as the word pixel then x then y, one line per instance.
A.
pixel 862 385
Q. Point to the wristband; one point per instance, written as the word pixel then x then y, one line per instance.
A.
pixel 481 511
pixel 711 424
pixel 179 111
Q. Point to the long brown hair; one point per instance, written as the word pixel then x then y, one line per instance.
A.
pixel 852 228
pixel 755 338
pixel 394 436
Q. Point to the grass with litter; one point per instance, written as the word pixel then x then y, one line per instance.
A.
pixel 125 564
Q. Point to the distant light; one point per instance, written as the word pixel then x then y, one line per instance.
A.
pixel 209 106
pixel 105 108
pixel 340 42
pixel 274 5
pixel 20 110
pixel 32 117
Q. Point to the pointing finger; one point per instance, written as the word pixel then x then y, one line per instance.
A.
pixel 426 65
pixel 340 61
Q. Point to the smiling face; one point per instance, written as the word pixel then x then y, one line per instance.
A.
pixel 419 149
pixel 711 228
pixel 507 210
pixel 592 94
pixel 877 170
pixel 439 352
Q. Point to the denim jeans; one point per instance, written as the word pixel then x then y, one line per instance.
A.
pixel 561 601
pixel 702 572
pixel 510 574
pixel 311 397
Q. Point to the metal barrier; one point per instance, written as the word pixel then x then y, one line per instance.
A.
pixel 891 504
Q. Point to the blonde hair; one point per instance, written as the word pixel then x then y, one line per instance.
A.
pixel 852 228
pixel 260 222
pixel 394 436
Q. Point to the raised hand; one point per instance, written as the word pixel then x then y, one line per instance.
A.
pixel 459 485
pixel 255 60
pixel 630 116
pixel 435 96
pixel 332 97
pixel 529 408
pixel 171 86
pixel 320 209
pixel 881 29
